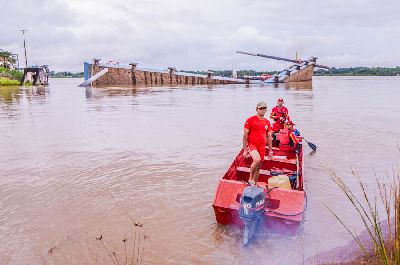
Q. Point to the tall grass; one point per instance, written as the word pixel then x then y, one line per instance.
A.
pixel 8 82
pixel 386 247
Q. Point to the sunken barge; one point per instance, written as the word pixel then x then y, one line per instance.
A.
pixel 114 74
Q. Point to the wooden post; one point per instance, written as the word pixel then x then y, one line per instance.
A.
pixel 172 71
pixel 210 76
pixel 96 61
pixel 133 72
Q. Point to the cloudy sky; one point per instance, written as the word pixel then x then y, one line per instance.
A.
pixel 201 35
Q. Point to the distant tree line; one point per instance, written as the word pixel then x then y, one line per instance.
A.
pixel 376 71
pixel 228 73
pixel 65 74
pixel 352 71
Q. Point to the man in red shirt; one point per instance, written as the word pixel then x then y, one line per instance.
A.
pixel 257 130
pixel 280 114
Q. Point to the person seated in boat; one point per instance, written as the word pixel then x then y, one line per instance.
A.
pixel 288 140
pixel 280 115
pixel 257 132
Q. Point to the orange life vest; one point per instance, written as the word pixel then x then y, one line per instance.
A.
pixel 284 140
pixel 284 137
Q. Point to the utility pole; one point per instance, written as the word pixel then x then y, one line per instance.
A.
pixel 23 33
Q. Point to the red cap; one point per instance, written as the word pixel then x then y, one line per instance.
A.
pixel 280 99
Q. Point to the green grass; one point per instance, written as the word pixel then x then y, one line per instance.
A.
pixel 11 74
pixel 10 77
pixel 8 82
pixel 386 249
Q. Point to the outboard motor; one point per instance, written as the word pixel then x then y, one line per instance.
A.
pixel 252 204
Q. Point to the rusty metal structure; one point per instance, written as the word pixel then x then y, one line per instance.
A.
pixel 300 71
pixel 36 75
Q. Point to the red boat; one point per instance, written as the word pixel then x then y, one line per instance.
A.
pixel 282 206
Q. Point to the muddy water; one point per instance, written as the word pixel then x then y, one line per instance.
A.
pixel 78 163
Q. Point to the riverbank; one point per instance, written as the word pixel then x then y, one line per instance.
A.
pixel 351 253
pixel 379 243
pixel 10 77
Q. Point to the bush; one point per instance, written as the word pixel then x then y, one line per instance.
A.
pixel 11 74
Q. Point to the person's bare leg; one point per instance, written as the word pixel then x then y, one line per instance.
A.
pixel 255 166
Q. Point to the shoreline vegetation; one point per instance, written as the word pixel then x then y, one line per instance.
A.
pixel 351 71
pixel 381 241
pixel 10 77
pixel 65 74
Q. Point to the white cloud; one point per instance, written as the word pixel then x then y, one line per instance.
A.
pixel 202 35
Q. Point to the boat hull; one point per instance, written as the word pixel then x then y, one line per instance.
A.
pixel 284 211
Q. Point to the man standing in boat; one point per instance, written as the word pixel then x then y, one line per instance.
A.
pixel 280 114
pixel 257 132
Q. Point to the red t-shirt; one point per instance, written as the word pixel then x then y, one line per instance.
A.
pixel 280 112
pixel 257 130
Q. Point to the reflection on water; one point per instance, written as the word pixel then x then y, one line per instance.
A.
pixel 78 163
pixel 305 85
pixel 10 95
pixel 96 92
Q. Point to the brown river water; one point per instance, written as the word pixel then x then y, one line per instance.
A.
pixel 77 163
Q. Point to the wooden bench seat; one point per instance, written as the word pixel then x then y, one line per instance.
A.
pixel 243 174
pixel 284 160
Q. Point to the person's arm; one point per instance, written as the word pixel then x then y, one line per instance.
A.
pixel 245 138
pixel 287 115
pixel 269 140
pixel 283 115
pixel 273 115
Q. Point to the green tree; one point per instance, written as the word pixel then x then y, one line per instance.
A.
pixel 6 59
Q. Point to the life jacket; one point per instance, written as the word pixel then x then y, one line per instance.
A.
pixel 284 137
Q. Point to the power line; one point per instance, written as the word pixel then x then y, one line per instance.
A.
pixel 23 33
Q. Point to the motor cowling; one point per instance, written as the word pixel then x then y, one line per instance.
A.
pixel 252 203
